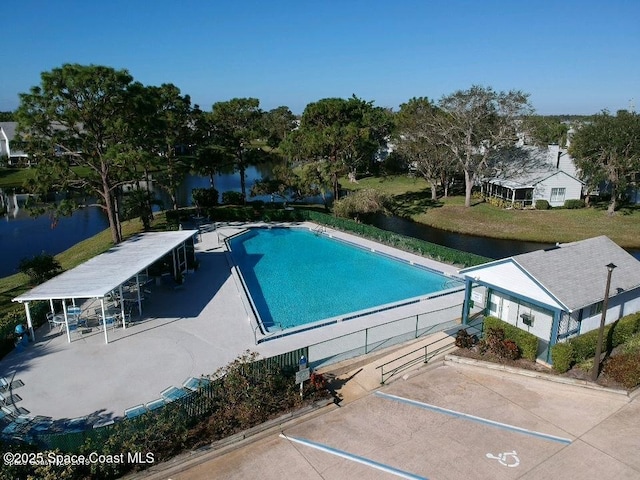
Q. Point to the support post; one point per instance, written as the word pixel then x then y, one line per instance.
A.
pixel 29 322
pixel 605 302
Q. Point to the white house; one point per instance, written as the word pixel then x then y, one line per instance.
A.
pixel 535 174
pixel 7 135
pixel 556 293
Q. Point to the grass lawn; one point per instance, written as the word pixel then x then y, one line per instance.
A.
pixel 11 178
pixel 413 200
pixel 14 177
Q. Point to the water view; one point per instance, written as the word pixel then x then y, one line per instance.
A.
pixel 23 236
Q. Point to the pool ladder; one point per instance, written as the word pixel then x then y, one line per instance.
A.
pixel 319 229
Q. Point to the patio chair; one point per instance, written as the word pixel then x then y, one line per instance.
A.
pixel 173 393
pixel 136 411
pixel 110 320
pixel 155 404
pixel 74 314
pixel 52 324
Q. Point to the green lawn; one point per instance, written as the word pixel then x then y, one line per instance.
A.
pixel 413 200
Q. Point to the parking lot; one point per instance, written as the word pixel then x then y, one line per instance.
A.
pixel 449 422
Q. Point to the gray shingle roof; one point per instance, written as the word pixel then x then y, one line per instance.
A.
pixel 9 129
pixel 576 274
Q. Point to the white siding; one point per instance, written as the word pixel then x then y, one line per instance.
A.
pixel 509 277
pixel 509 310
pixel 572 186
pixel 619 306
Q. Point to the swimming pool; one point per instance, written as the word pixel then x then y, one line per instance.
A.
pixel 296 277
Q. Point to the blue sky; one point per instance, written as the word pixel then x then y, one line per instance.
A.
pixel 575 57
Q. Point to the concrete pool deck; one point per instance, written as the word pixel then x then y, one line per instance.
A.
pixel 185 331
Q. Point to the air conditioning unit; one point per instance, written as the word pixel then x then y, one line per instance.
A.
pixel 527 319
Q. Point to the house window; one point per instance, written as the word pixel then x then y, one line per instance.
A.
pixel 557 194
pixel 595 309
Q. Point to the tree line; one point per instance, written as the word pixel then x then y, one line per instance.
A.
pixel 94 129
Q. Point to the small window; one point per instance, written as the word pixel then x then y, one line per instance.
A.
pixel 595 309
pixel 557 194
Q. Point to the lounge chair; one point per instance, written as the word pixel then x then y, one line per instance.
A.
pixel 193 383
pixel 103 422
pixel 155 404
pixel 173 393
pixel 135 411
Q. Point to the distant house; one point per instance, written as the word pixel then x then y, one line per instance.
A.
pixel 556 293
pixel 536 174
pixel 12 155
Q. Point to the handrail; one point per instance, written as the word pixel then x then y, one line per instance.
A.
pixel 427 355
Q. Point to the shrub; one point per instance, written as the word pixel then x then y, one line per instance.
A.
pixel 624 369
pixel 615 334
pixel 361 202
pixel 464 340
pixel 205 197
pixel 509 350
pixel 542 205
pixel 624 329
pixel 232 198
pixel 562 357
pixel 496 344
pixel 40 267
pixel 574 204
pixel 633 344
pixel 527 342
pixel 584 346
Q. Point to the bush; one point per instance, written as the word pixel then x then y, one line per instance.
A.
pixel 562 357
pixel 361 202
pixel 542 205
pixel 40 268
pixel 584 346
pixel 624 369
pixel 464 340
pixel 574 204
pixel 617 333
pixel 526 342
pixel 232 198
pixel 205 197
pixel 633 344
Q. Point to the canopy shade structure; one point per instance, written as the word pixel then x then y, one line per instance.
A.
pixel 106 272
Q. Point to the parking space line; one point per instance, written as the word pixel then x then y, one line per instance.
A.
pixel 473 418
pixel 355 458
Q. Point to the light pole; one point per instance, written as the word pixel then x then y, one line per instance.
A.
pixel 596 359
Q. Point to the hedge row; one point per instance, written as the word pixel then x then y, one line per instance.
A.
pixel 583 347
pixel 259 211
pixel 527 342
pixel 414 245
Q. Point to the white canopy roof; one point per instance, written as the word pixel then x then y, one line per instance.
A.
pixel 106 272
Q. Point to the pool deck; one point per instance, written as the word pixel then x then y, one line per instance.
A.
pixel 185 331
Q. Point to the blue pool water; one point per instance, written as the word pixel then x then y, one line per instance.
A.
pixel 296 277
